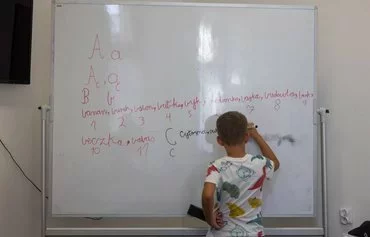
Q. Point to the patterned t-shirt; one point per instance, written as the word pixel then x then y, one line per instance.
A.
pixel 239 183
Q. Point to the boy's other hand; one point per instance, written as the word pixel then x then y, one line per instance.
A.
pixel 214 225
pixel 217 220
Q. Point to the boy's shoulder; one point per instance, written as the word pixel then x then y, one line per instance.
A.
pixel 250 160
pixel 259 159
pixel 222 163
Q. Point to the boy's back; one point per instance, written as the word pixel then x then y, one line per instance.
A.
pixel 239 183
pixel 237 179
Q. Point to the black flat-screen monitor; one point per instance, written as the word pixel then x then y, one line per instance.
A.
pixel 15 41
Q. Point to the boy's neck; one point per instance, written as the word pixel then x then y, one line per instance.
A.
pixel 236 151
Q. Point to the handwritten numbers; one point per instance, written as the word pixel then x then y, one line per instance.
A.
pixel 171 153
pixel 168 116
pixel 190 113
pixel 250 108
pixel 142 120
pixel 95 150
pixel 277 104
pixel 93 124
pixel 143 150
pixel 122 122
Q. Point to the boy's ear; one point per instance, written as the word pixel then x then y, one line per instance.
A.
pixel 219 141
pixel 246 137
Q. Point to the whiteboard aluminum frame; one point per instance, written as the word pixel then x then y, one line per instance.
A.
pixel 308 232
pixel 317 200
pixel 183 4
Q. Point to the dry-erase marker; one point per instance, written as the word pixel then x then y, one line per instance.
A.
pixel 255 126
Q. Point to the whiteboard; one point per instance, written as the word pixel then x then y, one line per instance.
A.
pixel 137 89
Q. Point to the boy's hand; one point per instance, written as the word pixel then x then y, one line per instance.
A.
pixel 252 131
pixel 219 219
pixel 216 221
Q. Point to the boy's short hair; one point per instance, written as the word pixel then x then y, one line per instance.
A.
pixel 232 127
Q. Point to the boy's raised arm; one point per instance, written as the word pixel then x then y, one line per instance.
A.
pixel 264 147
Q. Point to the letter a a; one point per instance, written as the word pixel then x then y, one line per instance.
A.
pixel 92 76
pixel 96 48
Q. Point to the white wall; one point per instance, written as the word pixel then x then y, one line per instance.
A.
pixel 20 130
pixel 344 68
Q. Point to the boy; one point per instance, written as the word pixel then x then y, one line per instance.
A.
pixel 238 179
